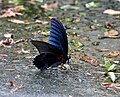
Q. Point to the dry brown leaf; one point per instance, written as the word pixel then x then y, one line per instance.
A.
pixel 18 21
pixel 17 88
pixel 50 6
pixel 19 41
pixel 86 59
pixel 12 83
pixel 3 56
pixel 18 8
pixel 18 52
pixel 7 41
pixel 110 85
pixel 10 69
pixel 93 27
pixel 43 22
pixel 111 33
pixel 108 24
pixel 77 20
pixel 102 50
pixel 113 54
pixel 8 13
pixel 12 12
pixel 1 43
pixel 111 12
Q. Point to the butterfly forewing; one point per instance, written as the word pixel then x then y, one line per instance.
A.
pixel 58 36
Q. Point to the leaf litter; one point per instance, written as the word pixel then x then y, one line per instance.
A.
pixel 86 58
pixel 15 85
pixel 13 12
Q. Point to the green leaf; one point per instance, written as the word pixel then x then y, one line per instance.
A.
pixel 92 5
pixel 68 19
pixel 39 1
pixel 107 63
pixel 69 7
pixel 76 44
pixel 112 76
pixel 112 67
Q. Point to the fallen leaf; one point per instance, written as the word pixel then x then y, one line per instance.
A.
pixel 8 13
pixel 70 96
pixel 78 36
pixel 95 43
pixel 77 20
pixel 50 7
pixel 10 69
pixel 102 50
pixel 1 43
pixel 17 88
pixel 3 56
pixel 19 21
pixel 18 52
pixel 12 83
pixel 86 59
pixel 64 67
pixel 25 51
pixel 92 5
pixel 76 43
pixel 43 22
pixel 112 54
pixel 117 0
pixel 12 12
pixel 111 12
pixel 112 76
pixel 111 33
pixel 21 51
pixel 8 41
pixel 18 8
pixel 108 24
pixel 93 27
pixel 65 7
pixel 110 85
pixel 8 35
pixel 19 41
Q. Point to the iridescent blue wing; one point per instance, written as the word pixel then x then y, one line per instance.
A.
pixel 58 36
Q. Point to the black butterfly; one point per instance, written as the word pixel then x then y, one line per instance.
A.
pixel 55 51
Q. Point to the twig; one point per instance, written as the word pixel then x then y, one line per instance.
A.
pixel 17 88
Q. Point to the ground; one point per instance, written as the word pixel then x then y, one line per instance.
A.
pixel 19 78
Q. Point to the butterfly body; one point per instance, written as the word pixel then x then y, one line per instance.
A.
pixel 55 51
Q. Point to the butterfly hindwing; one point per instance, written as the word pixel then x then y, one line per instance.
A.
pixel 45 60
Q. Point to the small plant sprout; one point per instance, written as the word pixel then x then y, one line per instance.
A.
pixel 110 68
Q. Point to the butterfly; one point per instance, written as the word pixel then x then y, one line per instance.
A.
pixel 55 51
